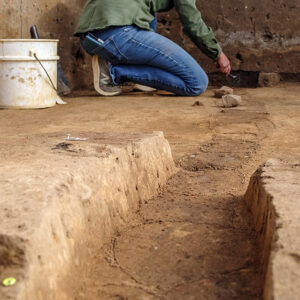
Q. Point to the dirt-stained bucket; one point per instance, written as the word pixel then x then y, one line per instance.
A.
pixel 28 73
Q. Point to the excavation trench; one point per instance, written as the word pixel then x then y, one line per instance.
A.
pixel 111 236
pixel 195 240
pixel 112 218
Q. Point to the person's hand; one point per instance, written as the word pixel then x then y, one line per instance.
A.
pixel 223 64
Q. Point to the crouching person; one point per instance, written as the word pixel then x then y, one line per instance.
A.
pixel 121 37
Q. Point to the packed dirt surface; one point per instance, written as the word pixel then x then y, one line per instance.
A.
pixel 195 240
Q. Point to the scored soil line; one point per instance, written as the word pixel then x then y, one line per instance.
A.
pixel 193 241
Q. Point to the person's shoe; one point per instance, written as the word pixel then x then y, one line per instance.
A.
pixel 143 88
pixel 103 83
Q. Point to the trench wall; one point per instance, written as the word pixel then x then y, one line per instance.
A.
pixel 257 35
pixel 62 201
pixel 273 199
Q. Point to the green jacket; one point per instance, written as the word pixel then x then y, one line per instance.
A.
pixel 99 14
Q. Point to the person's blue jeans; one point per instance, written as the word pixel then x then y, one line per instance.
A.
pixel 148 58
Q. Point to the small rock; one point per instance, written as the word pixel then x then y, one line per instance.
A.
pixel 268 79
pixel 197 103
pixel 231 100
pixel 224 90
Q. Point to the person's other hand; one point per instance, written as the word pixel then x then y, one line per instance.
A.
pixel 223 64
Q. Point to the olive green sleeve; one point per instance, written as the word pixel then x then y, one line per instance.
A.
pixel 196 29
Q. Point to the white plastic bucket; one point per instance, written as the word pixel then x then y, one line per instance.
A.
pixel 23 82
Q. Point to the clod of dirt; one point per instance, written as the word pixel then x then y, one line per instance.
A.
pixel 224 90
pixel 231 100
pixel 63 146
pixel 268 79
pixel 197 103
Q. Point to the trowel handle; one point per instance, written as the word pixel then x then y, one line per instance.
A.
pixel 34 32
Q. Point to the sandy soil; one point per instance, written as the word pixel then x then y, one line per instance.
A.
pixel 194 240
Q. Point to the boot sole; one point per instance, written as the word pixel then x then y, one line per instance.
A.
pixel 96 73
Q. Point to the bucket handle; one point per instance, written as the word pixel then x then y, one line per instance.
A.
pixel 35 56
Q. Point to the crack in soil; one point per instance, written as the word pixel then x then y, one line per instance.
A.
pixel 113 262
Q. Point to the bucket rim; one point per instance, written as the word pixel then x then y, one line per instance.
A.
pixel 28 58
pixel 28 40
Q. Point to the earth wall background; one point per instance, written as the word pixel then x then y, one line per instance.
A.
pixel 257 35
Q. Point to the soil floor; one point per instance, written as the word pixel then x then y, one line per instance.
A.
pixel 195 240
